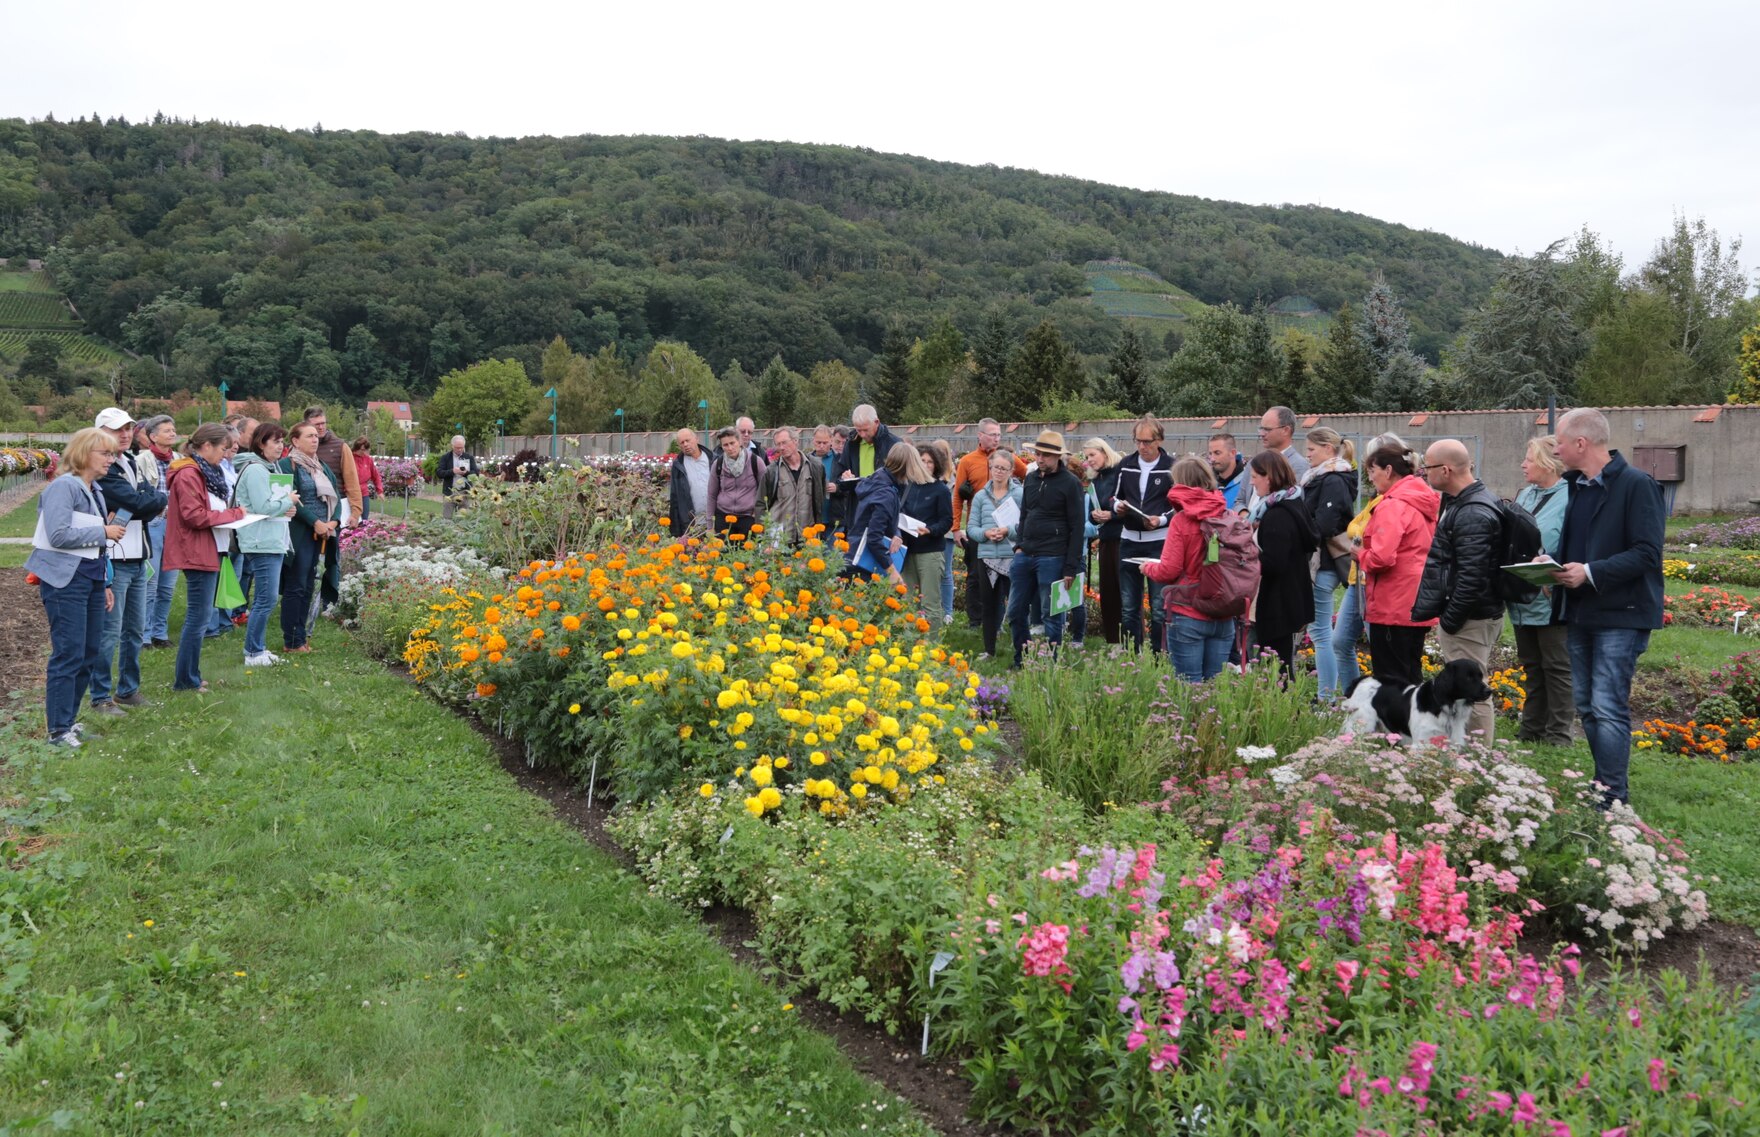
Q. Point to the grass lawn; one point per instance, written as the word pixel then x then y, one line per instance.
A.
pixel 21 519
pixel 312 901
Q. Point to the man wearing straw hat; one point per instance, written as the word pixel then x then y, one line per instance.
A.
pixel 1048 542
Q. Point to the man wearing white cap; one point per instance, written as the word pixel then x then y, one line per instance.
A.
pixel 134 501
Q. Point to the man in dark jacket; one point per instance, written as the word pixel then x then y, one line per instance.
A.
pixel 687 495
pixel 455 469
pixel 1459 585
pixel 868 447
pixel 1143 513
pixel 1611 594
pixel 1048 541
pixel 126 487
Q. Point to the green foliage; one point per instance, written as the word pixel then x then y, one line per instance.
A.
pixel 1208 374
pixel 667 387
pixel 1636 359
pixel 450 249
pixel 778 390
pixel 511 524
pixel 828 394
pixel 1747 386
pixel 475 397
pixel 940 374
pixel 1524 345
pixel 889 377
pixel 1126 382
pixel 1042 370
pixel 1108 728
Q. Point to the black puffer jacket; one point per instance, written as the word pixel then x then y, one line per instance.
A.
pixel 1460 575
pixel 1331 498
pixel 1051 518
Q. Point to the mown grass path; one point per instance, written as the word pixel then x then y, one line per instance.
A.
pixel 312 902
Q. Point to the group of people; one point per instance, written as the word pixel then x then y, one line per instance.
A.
pixel 1385 549
pixel 252 503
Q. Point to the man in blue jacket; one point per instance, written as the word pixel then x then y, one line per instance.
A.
pixel 125 487
pixel 1611 594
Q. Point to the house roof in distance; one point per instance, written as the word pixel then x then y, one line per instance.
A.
pixel 398 410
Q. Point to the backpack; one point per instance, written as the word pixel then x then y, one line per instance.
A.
pixel 1228 574
pixel 1521 543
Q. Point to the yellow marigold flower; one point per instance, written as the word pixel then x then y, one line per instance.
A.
pixel 810 738
pixel 574 708
pixel 707 789
pixel 761 775
pixel 727 699
pixel 858 790
pixel 965 744
pixel 683 650
pixel 817 757
pixel 770 796
pixel 782 763
pixel 625 634
pixel 755 806
pixel 872 773
pixel 685 731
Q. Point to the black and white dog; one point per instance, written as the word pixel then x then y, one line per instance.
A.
pixel 1433 710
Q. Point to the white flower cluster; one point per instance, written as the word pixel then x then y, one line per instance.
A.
pixel 426 568
pixel 1648 890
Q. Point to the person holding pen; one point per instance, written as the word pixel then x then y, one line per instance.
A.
pixel 198 494
pixel 264 489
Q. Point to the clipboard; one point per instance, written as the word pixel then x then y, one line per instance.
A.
pixel 1068 599
pixel 1535 572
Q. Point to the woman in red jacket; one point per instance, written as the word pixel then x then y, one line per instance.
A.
pixel 372 485
pixel 1197 645
pixel 198 495
pixel 1390 558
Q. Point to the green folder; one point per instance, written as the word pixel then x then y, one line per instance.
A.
pixel 1068 599
pixel 283 480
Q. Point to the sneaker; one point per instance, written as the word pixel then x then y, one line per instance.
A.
pixel 1036 630
pixel 947 618
pixel 78 730
pixel 135 700
pixel 261 659
pixel 982 656
pixel 69 740
pixel 108 707
pixel 160 643
pixel 240 621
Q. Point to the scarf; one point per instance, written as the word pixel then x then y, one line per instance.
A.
pixel 213 478
pixel 160 453
pixel 1335 464
pixel 1293 493
pixel 735 467
pixel 320 480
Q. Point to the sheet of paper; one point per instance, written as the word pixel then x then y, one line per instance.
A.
pixel 909 524
pixel 247 519
pixel 1007 515
pixel 1070 598
pixel 1141 561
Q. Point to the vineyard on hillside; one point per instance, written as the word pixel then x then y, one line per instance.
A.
pixel 30 308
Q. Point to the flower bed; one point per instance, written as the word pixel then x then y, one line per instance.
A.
pixel 1742 533
pixel 16 460
pixel 1707 607
pixel 677 665
pixel 1713 566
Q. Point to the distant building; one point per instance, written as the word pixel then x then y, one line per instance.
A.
pixel 400 414
pixel 268 408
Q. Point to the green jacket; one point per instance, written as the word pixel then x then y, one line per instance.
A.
pixel 311 506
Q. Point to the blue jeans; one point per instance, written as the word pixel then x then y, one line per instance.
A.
pixel 947 584
pixel 265 570
pixel 1320 631
pixel 164 586
pixel 1131 582
pixel 1029 577
pixel 76 632
pixel 199 597
pixel 1345 634
pixel 296 588
pixel 123 626
pixel 1198 648
pixel 1602 660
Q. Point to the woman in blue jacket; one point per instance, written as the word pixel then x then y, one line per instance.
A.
pixel 873 530
pixel 264 543
pixel 995 543
pixel 67 557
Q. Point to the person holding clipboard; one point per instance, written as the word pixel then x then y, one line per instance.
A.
pixel 67 561
pixel 1141 507
pixel 875 547
pixel 135 500
pixel 197 510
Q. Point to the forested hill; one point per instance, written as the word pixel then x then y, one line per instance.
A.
pixel 342 260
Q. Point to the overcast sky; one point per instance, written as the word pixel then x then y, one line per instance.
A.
pixel 1505 124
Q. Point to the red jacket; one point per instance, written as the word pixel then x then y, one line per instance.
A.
pixel 189 523
pixel 368 472
pixel 1395 547
pixel 1183 552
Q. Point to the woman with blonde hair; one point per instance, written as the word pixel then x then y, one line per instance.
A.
pixel 1541 642
pixel 68 560
pixel 1101 461
pixel 1329 491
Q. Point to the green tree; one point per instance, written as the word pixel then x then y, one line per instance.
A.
pixel 1300 350
pixel 1704 285
pixel 668 385
pixel 1261 367
pixel 741 389
pixel 1207 375
pixel 1381 325
pixel 476 396
pixel 42 360
pixel 1405 384
pixel 1345 372
pixel 382 431
pixel 1636 358
pixel 585 394
pixel 829 392
pixel 1127 372
pixel 889 379
pixel 1522 346
pixel 778 388
pixel 1043 370
pixel 990 355
pixel 554 363
pixel 1747 386
pixel 937 362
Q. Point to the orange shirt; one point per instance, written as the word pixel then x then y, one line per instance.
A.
pixel 974 470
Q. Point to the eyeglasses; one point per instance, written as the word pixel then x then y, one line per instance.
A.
pixel 1147 441
pixel 1438 466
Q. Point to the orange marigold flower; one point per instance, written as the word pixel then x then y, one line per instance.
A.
pixel 571 623
pixel 816 565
